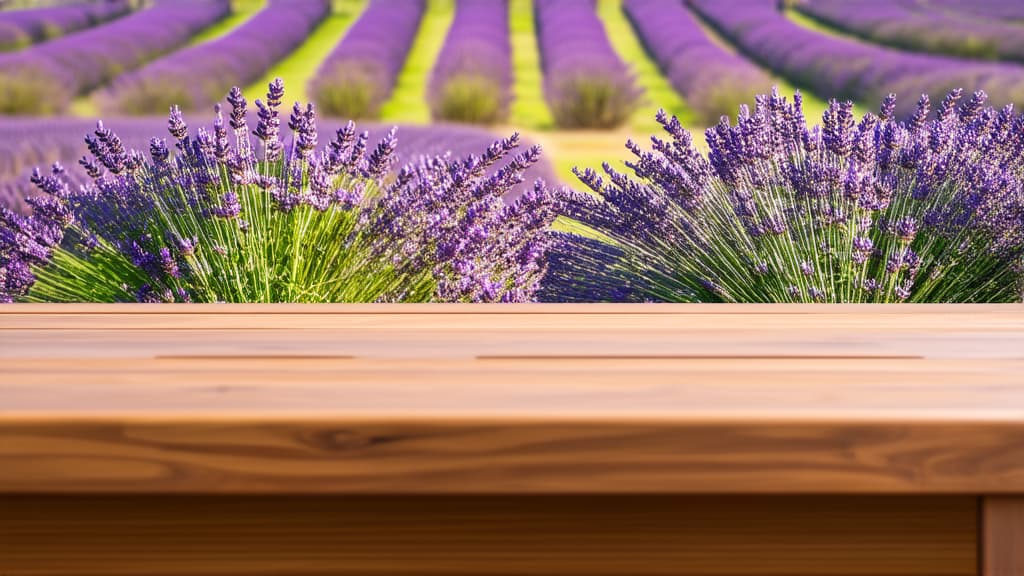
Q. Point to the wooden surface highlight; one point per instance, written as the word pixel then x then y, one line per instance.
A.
pixel 488 536
pixel 433 399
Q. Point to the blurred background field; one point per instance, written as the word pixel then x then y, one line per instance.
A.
pixel 578 77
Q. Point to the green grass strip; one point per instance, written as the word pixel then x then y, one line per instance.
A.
pixel 301 65
pixel 529 108
pixel 658 91
pixel 241 10
pixel 408 101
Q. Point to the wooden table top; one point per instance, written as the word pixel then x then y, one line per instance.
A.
pixel 758 399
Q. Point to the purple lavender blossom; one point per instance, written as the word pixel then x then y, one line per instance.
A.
pixel 210 225
pixel 359 75
pixel 842 68
pixel 586 84
pixel 19 28
pixel 44 78
pixel 29 142
pixel 872 210
pixel 472 78
pixel 197 77
pixel 713 81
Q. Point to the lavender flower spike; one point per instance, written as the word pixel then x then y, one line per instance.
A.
pixel 868 210
pixel 281 222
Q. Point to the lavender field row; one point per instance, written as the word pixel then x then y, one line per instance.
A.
pixel 21 28
pixel 43 79
pixel 138 63
pixel 463 61
pixel 197 77
pixel 472 78
pixel 912 26
pixel 842 68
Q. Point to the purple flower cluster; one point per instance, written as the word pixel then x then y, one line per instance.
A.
pixel 43 79
pixel 713 81
pixel 868 210
pixel 586 83
pixel 842 68
pixel 19 28
pixel 197 77
pixel 359 75
pixel 29 142
pixel 472 78
pixel 216 216
pixel 921 28
pixel 482 249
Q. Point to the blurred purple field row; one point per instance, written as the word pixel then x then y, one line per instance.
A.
pixel 136 63
pixel 23 27
pixel 841 68
pixel 713 81
pixel 45 78
pixel 992 9
pixel 361 72
pixel 472 79
pixel 586 82
pixel 197 77
pixel 27 143
pixel 910 25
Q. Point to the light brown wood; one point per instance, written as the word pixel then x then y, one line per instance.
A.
pixel 1002 537
pixel 494 399
pixel 496 536
pixel 513 309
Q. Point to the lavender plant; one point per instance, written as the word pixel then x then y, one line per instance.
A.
pixel 869 210
pixel 31 142
pixel 197 77
pixel 472 79
pixel 236 220
pixel 586 83
pixel 359 75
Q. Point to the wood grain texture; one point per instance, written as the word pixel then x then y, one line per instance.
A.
pixel 521 399
pixel 488 536
pixel 230 456
pixel 1002 536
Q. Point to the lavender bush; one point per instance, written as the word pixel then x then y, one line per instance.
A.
pixel 23 27
pixel 911 26
pixel 586 84
pixel 713 81
pixel 265 221
pixel 26 143
pixel 472 78
pixel 875 210
pixel 197 77
pixel 43 79
pixel 842 68
pixel 359 75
